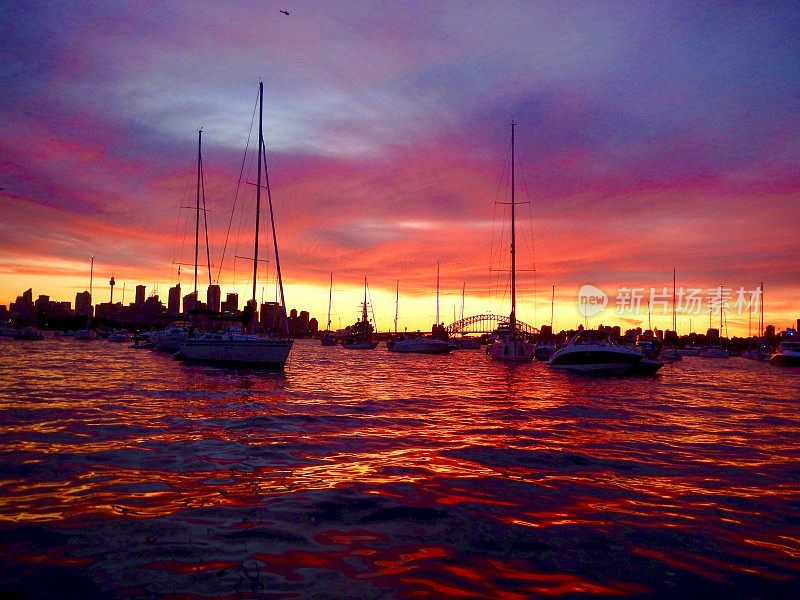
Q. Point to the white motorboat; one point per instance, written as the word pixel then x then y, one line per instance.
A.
pixel 590 351
pixel 786 355
pixel 238 348
pixel 419 344
pixel 511 344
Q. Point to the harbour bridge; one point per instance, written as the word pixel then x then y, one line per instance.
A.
pixel 485 324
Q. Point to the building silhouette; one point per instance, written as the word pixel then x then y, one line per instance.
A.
pixel 174 300
pixel 83 304
pixel 140 295
pixel 213 296
pixel 231 304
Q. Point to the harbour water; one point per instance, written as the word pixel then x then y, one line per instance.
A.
pixel 366 474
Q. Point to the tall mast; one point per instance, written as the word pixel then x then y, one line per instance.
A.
pixel 330 298
pixel 463 292
pixel 396 304
pixel 761 321
pixel 513 317
pixel 674 314
pixel 437 292
pixel 552 305
pixel 89 314
pixel 258 198
pixel 197 216
pixel 364 316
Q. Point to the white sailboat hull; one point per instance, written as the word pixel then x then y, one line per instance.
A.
pixel 512 350
pixel 244 350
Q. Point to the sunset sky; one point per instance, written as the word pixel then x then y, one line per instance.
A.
pixel 650 136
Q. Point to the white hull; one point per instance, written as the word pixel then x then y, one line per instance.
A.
pixel 596 368
pixel 360 345
pixel 420 345
pixel 245 350
pixel 512 350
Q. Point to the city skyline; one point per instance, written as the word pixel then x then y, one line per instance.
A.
pixel 649 138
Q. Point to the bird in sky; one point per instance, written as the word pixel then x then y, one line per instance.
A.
pixel 286 12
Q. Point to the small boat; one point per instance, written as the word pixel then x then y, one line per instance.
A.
pixel 328 340
pixel 170 339
pixel 118 336
pixel 28 333
pixel 670 354
pixel 544 350
pixel 85 334
pixel 590 351
pixel 713 352
pixel 786 355
pixel 418 344
pixel 466 343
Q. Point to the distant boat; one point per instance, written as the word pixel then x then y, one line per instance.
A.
pixel 418 344
pixel 359 334
pixel 544 350
pixel 590 351
pixel 670 354
pixel 511 344
pixel 786 355
pixel 328 339
pixel 28 333
pixel 240 348
pixel 713 352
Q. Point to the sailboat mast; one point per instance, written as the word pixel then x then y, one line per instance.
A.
pixel 396 304
pixel 197 211
pixel 258 198
pixel 674 314
pixel 513 317
pixel 437 292
pixel 89 314
pixel 552 306
pixel 330 298
pixel 463 292
pixel 364 315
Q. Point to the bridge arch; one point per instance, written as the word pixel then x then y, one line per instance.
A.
pixel 485 324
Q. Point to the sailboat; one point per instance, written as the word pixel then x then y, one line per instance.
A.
pixel 511 344
pixel 88 333
pixel 328 339
pixel 359 334
pixel 243 348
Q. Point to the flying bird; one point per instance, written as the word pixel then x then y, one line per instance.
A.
pixel 286 12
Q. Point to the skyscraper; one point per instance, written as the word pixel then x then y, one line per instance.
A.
pixel 174 300
pixel 140 292
pixel 213 297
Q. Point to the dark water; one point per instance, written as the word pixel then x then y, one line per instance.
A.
pixel 364 474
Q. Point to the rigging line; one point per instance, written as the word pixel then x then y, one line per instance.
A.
pixel 274 235
pixel 238 187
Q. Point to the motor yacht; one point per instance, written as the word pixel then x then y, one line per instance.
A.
pixel 590 351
